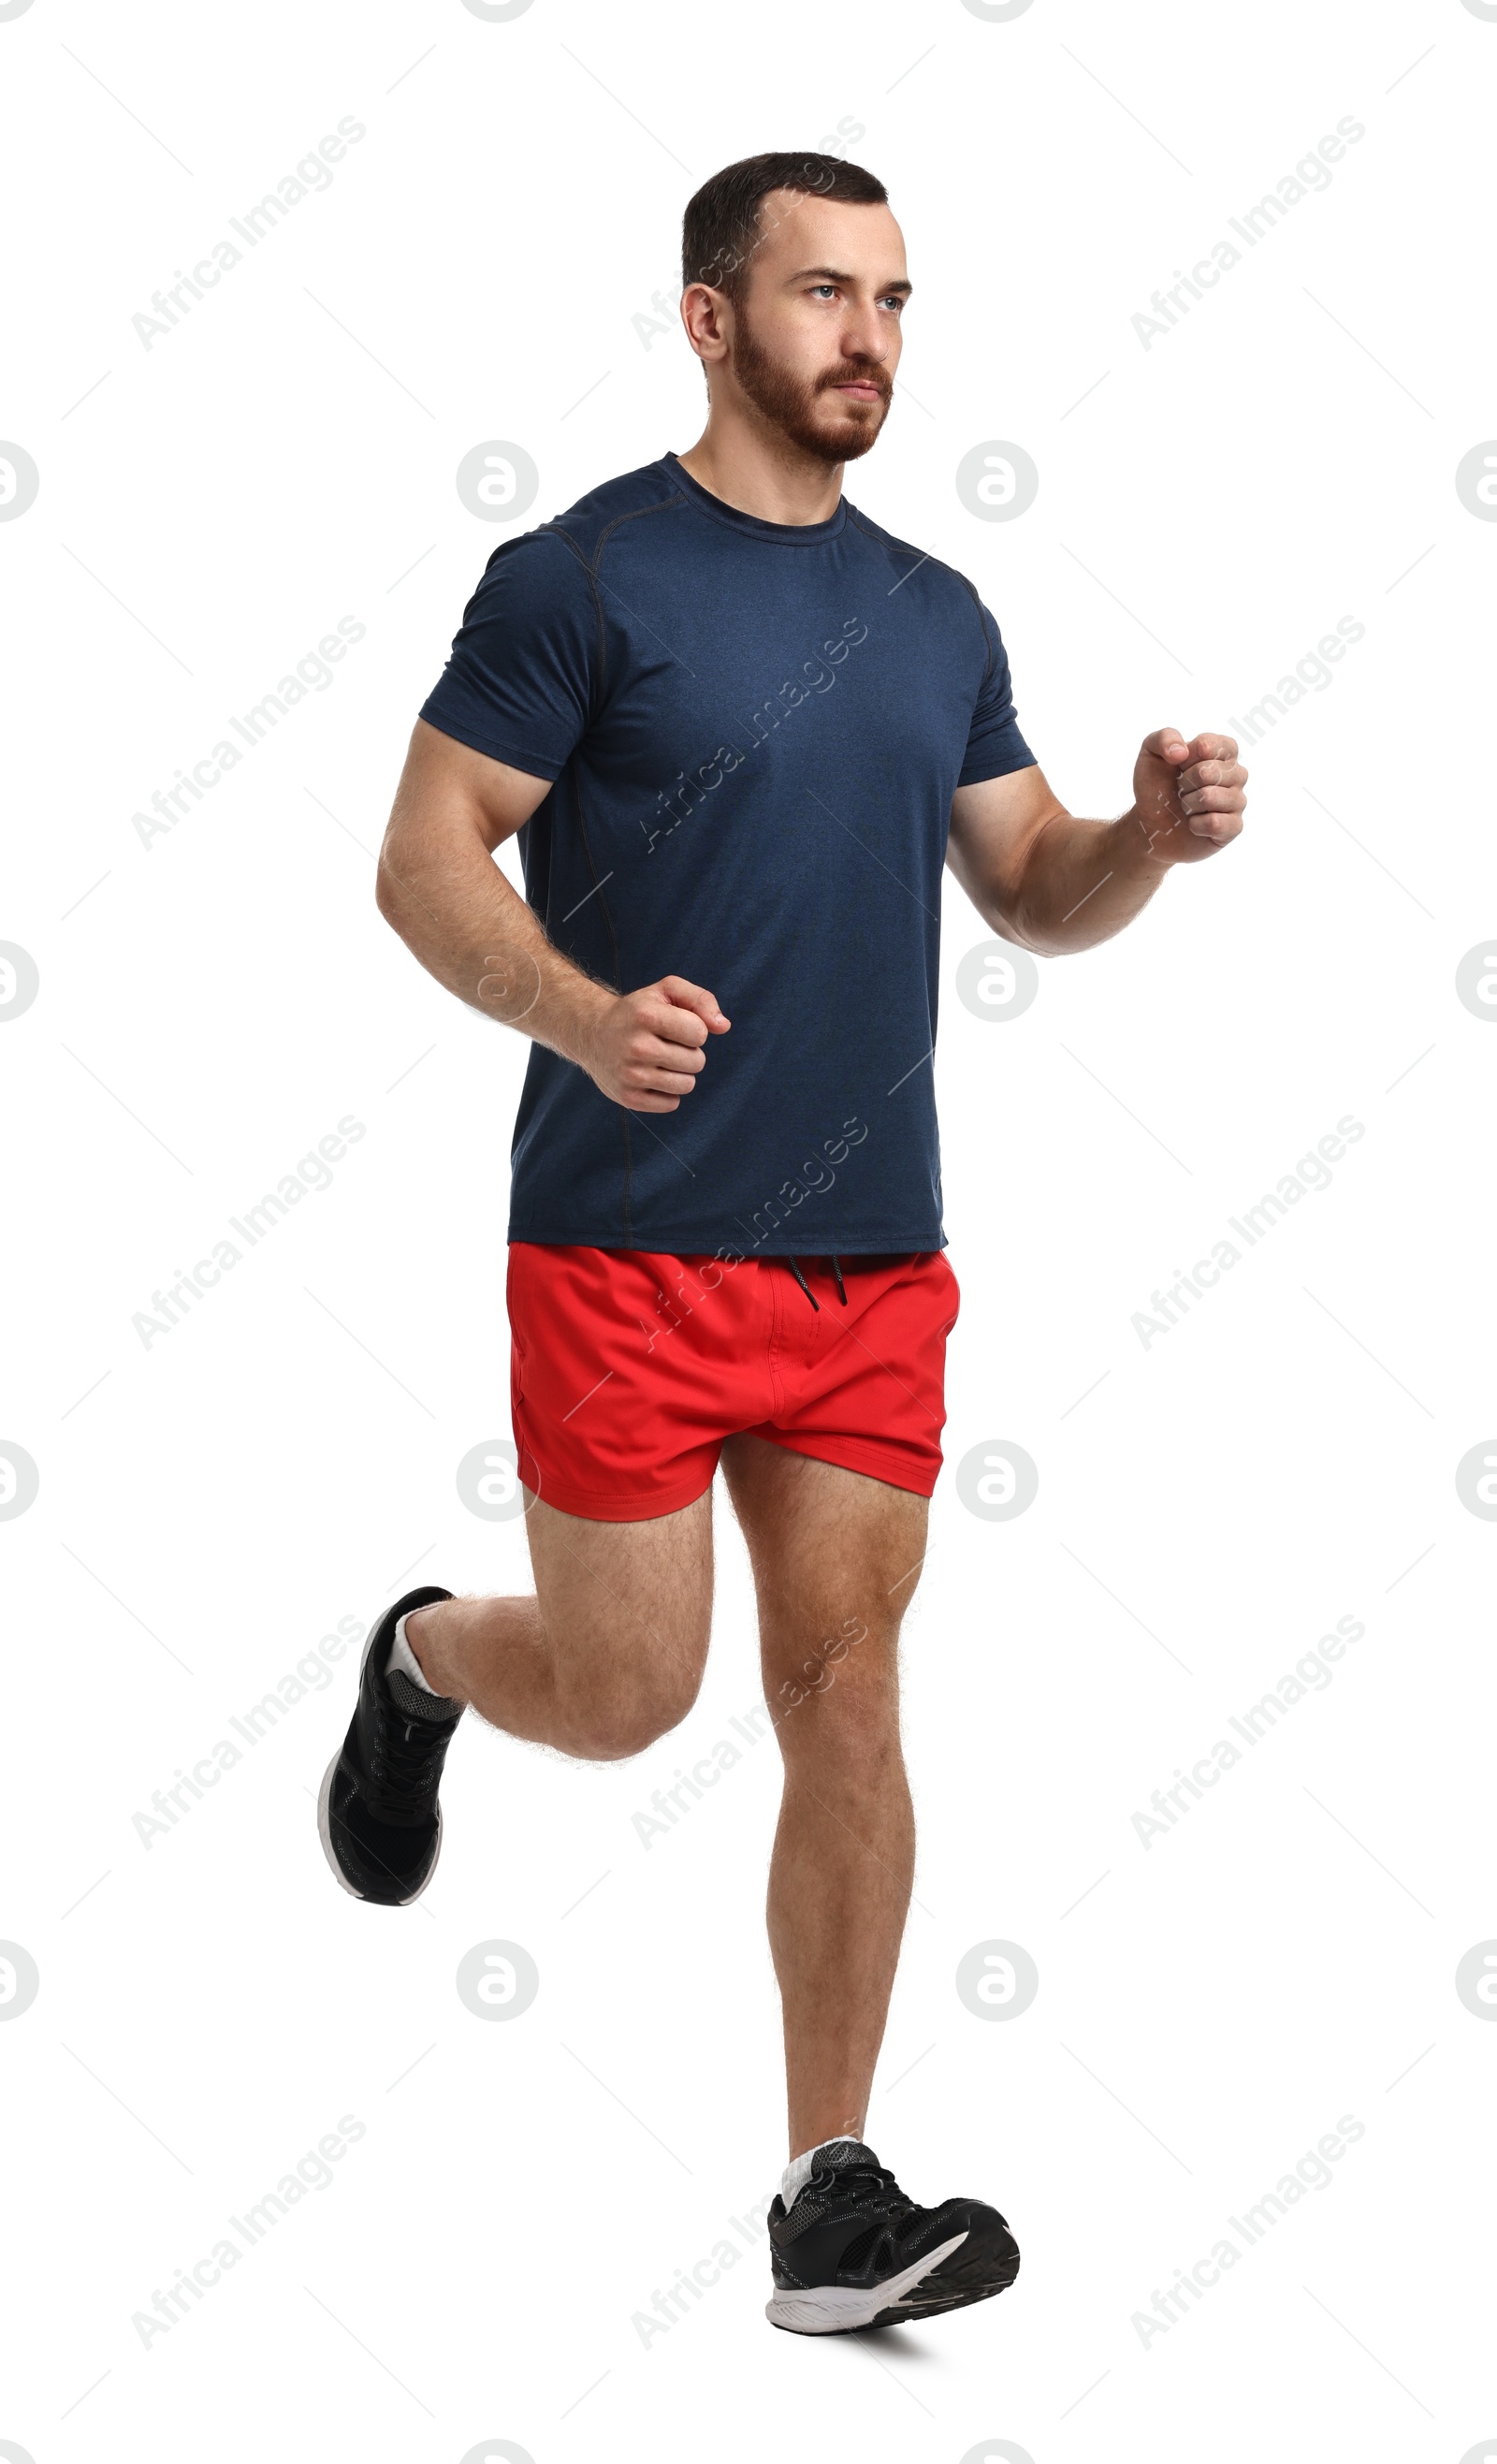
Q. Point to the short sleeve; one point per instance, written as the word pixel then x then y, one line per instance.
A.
pixel 518 684
pixel 993 744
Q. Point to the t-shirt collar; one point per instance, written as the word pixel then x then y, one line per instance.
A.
pixel 785 534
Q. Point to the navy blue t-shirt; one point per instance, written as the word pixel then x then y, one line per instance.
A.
pixel 753 731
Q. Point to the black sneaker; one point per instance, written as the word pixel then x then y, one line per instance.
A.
pixel 377 1816
pixel 855 2251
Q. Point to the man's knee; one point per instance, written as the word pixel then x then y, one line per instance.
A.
pixel 611 1722
pixel 844 1709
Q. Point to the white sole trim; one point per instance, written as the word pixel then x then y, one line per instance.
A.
pixel 325 1823
pixel 831 2309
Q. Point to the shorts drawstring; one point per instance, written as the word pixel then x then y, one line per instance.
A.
pixel 795 1269
pixel 794 1265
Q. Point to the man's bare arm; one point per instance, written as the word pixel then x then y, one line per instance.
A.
pixel 440 889
pixel 1042 878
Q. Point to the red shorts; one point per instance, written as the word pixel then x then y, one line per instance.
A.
pixel 629 1367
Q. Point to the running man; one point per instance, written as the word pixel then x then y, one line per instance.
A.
pixel 738 730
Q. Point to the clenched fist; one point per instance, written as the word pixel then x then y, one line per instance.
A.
pixel 645 1051
pixel 1188 799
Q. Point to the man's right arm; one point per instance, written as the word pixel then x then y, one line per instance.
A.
pixel 440 889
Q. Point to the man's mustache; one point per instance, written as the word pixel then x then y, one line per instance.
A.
pixel 850 373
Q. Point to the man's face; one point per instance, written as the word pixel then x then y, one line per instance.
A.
pixel 816 340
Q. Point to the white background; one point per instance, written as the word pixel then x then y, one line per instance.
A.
pixel 210 1005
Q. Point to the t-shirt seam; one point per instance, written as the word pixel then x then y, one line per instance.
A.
pixel 885 539
pixel 555 530
pixel 594 572
pixel 625 1193
pixel 982 622
pixel 666 505
pixel 902 547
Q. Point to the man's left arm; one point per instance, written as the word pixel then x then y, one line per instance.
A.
pixel 1052 882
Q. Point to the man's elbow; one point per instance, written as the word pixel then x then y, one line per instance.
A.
pixel 388 897
pixel 998 903
pixel 1007 920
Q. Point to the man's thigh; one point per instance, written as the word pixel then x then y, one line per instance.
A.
pixel 615 1596
pixel 836 1557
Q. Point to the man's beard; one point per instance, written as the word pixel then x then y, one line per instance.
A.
pixel 791 404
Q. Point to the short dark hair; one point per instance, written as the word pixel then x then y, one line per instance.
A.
pixel 719 229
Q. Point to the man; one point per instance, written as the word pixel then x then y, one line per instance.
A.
pixel 739 729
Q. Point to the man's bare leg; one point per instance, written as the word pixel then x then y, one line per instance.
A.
pixel 836 1558
pixel 605 1655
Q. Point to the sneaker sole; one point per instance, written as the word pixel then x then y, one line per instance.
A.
pixel 836 2309
pixel 976 2274
pixel 325 1818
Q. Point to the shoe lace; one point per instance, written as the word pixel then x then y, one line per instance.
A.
pixel 871 2185
pixel 406 1765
